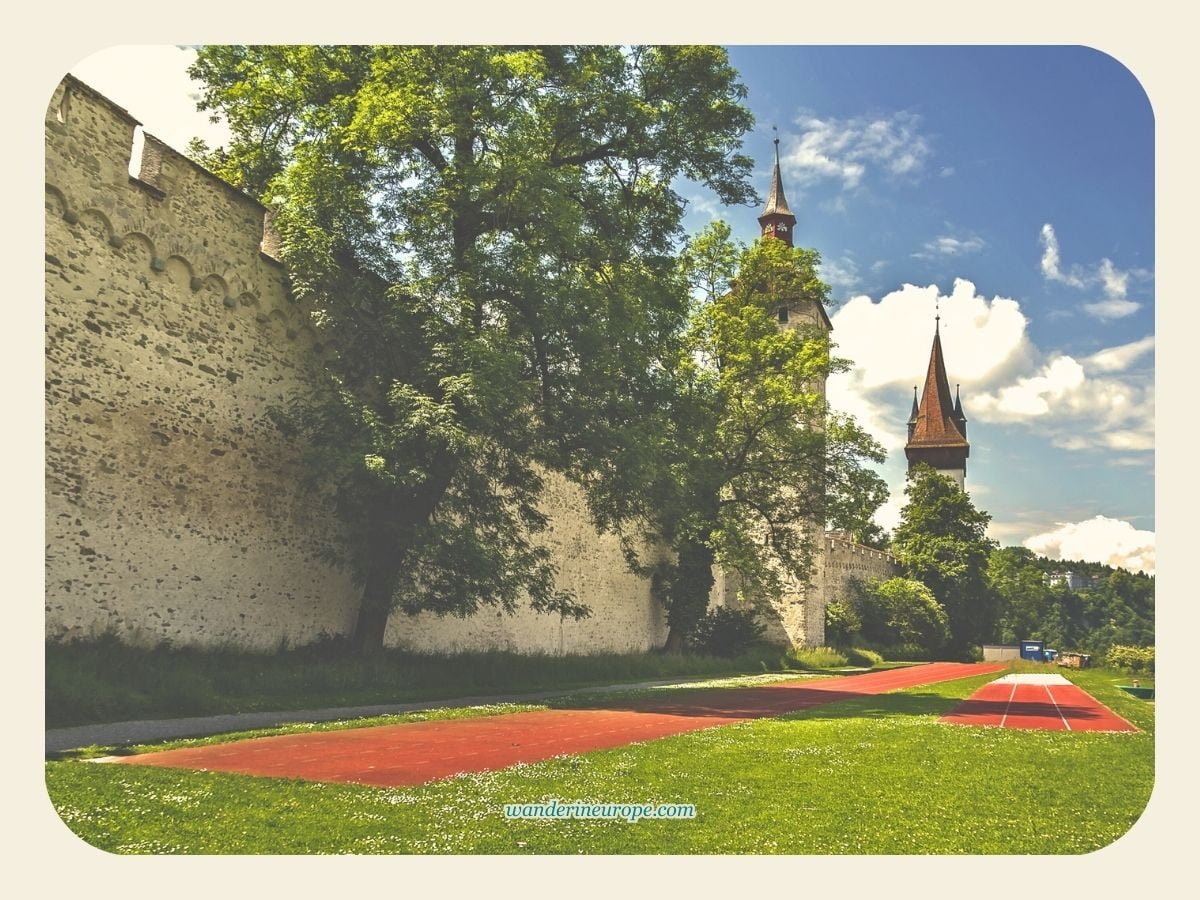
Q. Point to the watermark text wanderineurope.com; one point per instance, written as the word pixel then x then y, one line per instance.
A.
pixel 630 812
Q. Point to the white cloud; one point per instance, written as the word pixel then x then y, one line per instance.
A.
pixel 151 82
pixel 706 205
pixel 1118 359
pixel 1111 309
pixel 1112 281
pixel 1115 282
pixel 840 274
pixel 1114 542
pixel 848 149
pixel 1075 409
pixel 984 339
pixel 948 245
pixel 1050 259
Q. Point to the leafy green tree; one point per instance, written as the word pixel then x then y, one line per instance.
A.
pixel 749 454
pixel 487 238
pixel 941 541
pixel 900 611
pixel 1029 607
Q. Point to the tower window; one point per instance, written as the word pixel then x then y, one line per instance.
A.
pixel 783 315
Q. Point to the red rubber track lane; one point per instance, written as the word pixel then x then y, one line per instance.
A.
pixel 1046 707
pixel 417 752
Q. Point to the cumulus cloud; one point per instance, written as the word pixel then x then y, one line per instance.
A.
pixel 1114 542
pixel 988 335
pixel 1075 409
pixel 847 150
pixel 879 337
pixel 1101 401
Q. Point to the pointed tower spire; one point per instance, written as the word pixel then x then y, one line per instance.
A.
pixel 937 437
pixel 776 219
pixel 912 420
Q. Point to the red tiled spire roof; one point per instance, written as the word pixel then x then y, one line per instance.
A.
pixel 777 204
pixel 935 426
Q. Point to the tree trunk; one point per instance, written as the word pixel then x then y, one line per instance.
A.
pixel 390 558
pixel 688 592
pixel 374 609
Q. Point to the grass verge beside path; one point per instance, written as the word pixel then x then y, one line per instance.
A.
pixel 874 774
pixel 103 680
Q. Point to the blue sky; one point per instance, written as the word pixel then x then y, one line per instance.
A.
pixel 1015 183
pixel 1026 172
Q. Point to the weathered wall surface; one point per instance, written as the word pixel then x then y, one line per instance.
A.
pixel 845 560
pixel 624 614
pixel 173 506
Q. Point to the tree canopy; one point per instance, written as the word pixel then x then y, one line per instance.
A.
pixel 749 460
pixel 941 541
pixel 486 237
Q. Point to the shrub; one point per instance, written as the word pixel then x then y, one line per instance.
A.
pixel 861 656
pixel 909 652
pixel 1135 659
pixel 842 623
pixel 901 611
pixel 727 632
pixel 816 657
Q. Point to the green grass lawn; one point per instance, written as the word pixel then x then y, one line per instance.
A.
pixel 104 680
pixel 871 775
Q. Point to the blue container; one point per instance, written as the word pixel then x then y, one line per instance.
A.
pixel 1033 650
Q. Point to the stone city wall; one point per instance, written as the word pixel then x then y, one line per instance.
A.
pixel 174 508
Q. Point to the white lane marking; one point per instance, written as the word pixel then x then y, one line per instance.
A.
pixel 1004 718
pixel 1056 706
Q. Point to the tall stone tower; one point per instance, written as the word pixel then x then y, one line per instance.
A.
pixel 937 428
pixel 798 617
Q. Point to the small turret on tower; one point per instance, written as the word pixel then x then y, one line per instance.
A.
pixel 959 419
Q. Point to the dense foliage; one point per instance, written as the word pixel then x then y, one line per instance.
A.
pixel 941 541
pixel 899 611
pixel 750 462
pixel 1136 659
pixel 1115 607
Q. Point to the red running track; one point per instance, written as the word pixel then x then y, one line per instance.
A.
pixel 1049 707
pixel 416 752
